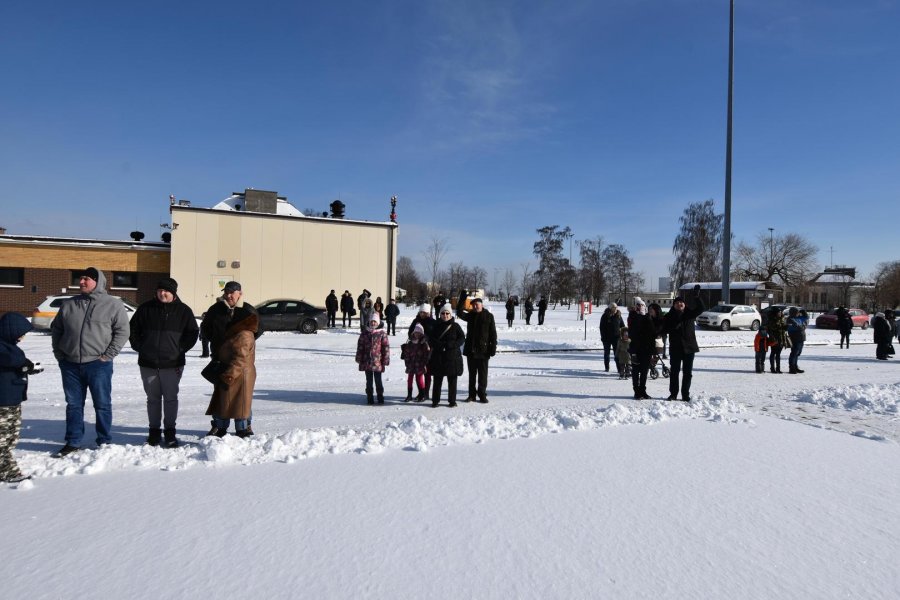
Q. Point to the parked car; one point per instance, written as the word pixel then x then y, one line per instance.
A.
pixel 828 320
pixel 46 311
pixel 730 316
pixel 286 314
pixel 784 309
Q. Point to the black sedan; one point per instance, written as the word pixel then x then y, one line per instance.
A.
pixel 286 314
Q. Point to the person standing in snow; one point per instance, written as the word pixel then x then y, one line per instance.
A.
pixel 882 335
pixel 87 334
pixel 542 309
pixel 233 394
pixel 162 331
pixel 642 328
pixel 611 324
pixel 446 339
pixel 219 316
pixel 681 328
pixel 14 371
pixel 623 354
pixel 331 307
pixel 529 308
pixel 480 346
pixel 761 345
pixel 511 303
pixel 778 339
pixel 373 354
pixel 796 329
pixel 844 324
pixel 347 308
pixel 415 353
pixel 391 312
pixel 424 318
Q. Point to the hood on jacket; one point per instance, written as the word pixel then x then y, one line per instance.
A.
pixel 13 326
pixel 101 282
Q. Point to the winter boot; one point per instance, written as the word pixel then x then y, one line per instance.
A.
pixel 170 440
pixel 380 398
pixel 435 402
pixel 452 402
pixel 370 399
pixel 637 393
pixel 217 432
pixel 408 395
pixel 154 437
pixel 470 398
pixel 244 433
pixel 421 397
pixel 644 395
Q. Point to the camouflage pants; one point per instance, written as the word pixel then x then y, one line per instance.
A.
pixel 10 423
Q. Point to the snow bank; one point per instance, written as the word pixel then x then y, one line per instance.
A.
pixel 871 399
pixel 414 434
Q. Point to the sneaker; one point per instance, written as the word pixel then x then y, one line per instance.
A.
pixel 66 450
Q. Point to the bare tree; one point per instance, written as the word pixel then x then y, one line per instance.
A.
pixel 623 280
pixel 407 278
pixel 434 255
pixel 698 245
pixel 886 292
pixel 527 280
pixel 789 259
pixel 509 281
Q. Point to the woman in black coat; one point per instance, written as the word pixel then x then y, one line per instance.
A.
pixel 642 329
pixel 446 338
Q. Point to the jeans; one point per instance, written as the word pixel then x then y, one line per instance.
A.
pixel 796 350
pixel 681 362
pixel 239 424
pixel 77 379
pixel 607 347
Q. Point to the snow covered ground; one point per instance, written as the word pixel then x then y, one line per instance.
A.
pixel 763 486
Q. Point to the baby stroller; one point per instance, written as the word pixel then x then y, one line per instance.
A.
pixel 657 359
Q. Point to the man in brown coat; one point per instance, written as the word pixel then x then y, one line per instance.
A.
pixel 233 396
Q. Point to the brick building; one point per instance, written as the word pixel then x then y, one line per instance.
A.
pixel 34 267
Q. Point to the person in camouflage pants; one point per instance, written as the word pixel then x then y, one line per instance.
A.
pixel 14 371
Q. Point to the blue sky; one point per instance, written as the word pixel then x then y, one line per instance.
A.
pixel 488 119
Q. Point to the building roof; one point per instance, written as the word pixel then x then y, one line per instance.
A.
pixel 282 206
pixel 62 241
pixel 734 285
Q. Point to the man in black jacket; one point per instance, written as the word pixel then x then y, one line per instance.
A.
pixel 331 306
pixel 680 326
pixel 480 346
pixel 219 315
pixel 162 330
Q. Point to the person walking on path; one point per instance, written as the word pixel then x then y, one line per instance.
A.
pixel 480 346
pixel 391 312
pixel 611 323
pixel 373 354
pixel 233 394
pixel 162 331
pixel 679 324
pixel 14 371
pixel 87 334
pixel 415 353
pixel 347 308
pixel 446 339
pixel 542 309
pixel 331 306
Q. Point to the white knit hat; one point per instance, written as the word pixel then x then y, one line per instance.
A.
pixel 425 308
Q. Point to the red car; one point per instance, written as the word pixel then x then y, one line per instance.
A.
pixel 828 320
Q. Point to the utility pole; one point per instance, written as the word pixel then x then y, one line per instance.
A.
pixel 726 243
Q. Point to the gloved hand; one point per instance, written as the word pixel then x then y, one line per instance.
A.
pixel 30 368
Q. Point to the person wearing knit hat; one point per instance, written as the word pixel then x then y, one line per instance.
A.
pixel 446 340
pixel 424 318
pixel 162 331
pixel 373 354
pixel 415 354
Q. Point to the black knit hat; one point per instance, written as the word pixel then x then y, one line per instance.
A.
pixel 168 284
pixel 92 273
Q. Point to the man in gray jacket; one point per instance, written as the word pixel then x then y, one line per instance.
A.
pixel 88 332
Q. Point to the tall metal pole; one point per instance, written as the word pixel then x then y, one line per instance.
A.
pixel 726 242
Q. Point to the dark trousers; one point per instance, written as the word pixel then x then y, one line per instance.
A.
pixel 451 388
pixel 775 359
pixel 540 317
pixel 374 377
pixel 205 345
pixel 845 337
pixel 478 370
pixel 681 364
pixel 796 351
pixel 345 317
pixel 640 366
pixel 760 360
pixel 608 347
pixel 527 318
pixel 331 318
pixel 392 326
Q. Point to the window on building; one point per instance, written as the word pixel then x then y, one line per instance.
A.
pixel 124 279
pixel 13 276
pixel 74 276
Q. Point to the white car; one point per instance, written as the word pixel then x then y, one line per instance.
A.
pixel 730 316
pixel 46 311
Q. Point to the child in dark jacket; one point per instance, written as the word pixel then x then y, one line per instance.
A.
pixel 623 355
pixel 761 345
pixel 415 353
pixel 14 371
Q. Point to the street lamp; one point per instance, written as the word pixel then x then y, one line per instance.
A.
pixel 726 246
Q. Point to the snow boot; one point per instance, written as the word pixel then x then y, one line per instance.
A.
pixel 435 402
pixel 380 398
pixel 470 399
pixel 244 433
pixel 637 393
pixel 170 440
pixel 154 437
pixel 644 395
pixel 217 432
pixel 408 395
pixel 370 399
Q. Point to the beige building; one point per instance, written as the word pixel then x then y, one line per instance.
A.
pixel 260 240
